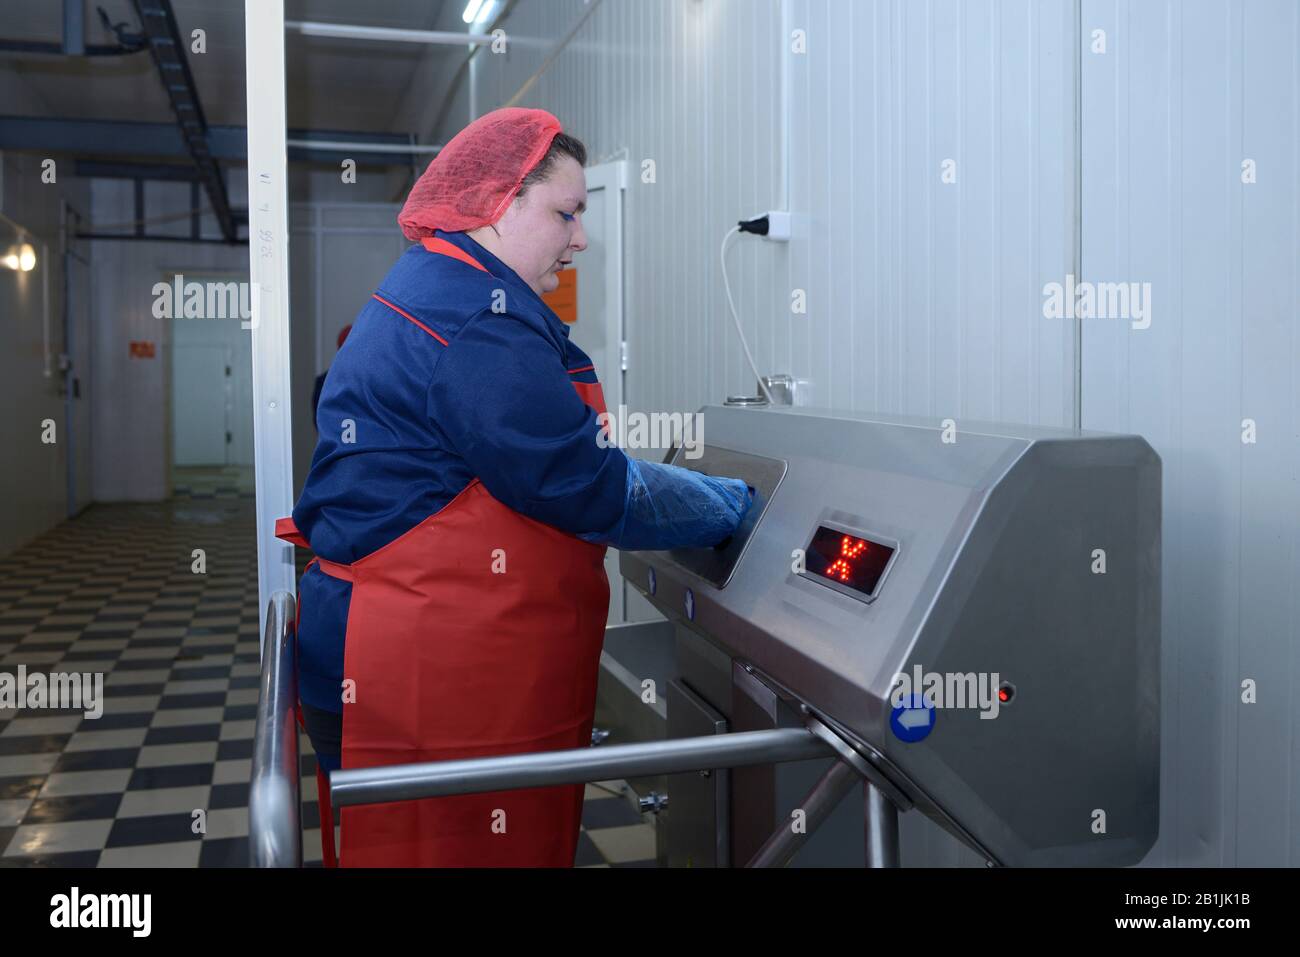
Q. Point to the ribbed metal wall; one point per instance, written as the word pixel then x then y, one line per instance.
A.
pixel 922 296
pixel 1184 94
pixel 927 293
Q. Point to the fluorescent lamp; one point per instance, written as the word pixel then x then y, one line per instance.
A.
pixel 471 10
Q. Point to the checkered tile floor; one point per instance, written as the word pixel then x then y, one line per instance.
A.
pixel 113 591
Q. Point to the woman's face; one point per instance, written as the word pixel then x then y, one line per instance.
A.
pixel 540 232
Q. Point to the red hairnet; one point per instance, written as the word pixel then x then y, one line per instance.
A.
pixel 475 176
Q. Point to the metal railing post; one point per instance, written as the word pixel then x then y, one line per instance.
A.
pixel 274 801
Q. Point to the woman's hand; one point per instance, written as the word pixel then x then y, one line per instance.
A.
pixel 672 507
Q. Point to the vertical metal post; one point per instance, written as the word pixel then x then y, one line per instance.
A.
pixel 820 802
pixel 268 252
pixel 881 820
pixel 1076 207
pixel 274 800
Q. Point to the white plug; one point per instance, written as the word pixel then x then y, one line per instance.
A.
pixel 778 226
pixel 773 225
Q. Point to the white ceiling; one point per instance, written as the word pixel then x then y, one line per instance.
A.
pixel 331 84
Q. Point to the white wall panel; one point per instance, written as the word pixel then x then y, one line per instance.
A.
pixel 923 297
pixel 1184 94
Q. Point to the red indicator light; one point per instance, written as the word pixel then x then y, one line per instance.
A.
pixel 848 560
pixel 840 569
pixel 852 547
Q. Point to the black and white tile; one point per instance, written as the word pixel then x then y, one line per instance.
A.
pixel 114 591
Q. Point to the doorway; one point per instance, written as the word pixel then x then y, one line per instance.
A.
pixel 211 397
pixel 77 370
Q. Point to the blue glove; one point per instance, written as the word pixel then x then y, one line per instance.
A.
pixel 672 507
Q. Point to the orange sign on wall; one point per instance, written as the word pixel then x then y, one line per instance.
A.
pixel 564 300
pixel 142 349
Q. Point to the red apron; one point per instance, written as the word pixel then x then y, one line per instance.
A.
pixel 476 633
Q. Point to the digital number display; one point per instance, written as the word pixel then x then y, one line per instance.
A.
pixel 846 560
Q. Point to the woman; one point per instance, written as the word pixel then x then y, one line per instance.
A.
pixel 459 505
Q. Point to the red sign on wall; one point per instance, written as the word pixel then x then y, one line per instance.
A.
pixel 564 299
pixel 142 349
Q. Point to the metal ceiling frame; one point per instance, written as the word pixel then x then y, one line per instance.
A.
pixel 158 24
pixel 74 37
pixel 101 139
pixel 348 31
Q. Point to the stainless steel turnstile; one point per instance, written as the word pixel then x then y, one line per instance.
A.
pixel 960 621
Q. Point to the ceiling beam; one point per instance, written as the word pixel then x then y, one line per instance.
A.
pixel 105 139
pixel 169 172
pixel 346 31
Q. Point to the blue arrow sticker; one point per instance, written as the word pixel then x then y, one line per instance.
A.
pixel 653 581
pixel 690 604
pixel 913 720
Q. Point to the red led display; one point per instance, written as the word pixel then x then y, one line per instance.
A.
pixel 852 562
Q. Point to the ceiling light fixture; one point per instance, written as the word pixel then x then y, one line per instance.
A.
pixel 479 12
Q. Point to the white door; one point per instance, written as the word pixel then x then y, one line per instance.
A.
pixel 212 386
pixel 199 399
pixel 76 345
pixel 239 403
pixel 599 329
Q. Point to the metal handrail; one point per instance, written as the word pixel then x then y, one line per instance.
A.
pixel 274 802
pixel 407 782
